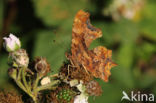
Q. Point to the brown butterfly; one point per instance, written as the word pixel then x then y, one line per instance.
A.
pixel 98 61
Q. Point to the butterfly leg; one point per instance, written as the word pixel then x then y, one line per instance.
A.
pixel 69 69
pixel 85 69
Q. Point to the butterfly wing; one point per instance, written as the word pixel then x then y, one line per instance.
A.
pixel 97 61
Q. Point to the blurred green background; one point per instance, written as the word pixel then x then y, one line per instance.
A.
pixel 45 29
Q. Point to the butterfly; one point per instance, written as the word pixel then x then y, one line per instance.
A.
pixel 98 61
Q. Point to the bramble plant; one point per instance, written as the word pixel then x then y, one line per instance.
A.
pixel 27 79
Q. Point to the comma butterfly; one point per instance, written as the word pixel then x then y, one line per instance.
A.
pixel 98 61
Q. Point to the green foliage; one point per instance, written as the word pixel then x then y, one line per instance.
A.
pixel 53 47
pixel 55 12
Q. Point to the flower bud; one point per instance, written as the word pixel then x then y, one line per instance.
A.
pixel 45 80
pixel 19 58
pixel 42 66
pixel 12 43
pixel 12 73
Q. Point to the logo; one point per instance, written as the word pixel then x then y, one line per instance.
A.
pixel 137 96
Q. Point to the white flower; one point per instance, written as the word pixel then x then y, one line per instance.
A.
pixel 12 43
pixel 82 98
pixel 45 80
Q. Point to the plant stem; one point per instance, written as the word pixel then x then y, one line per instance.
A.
pixel 23 88
pixel 36 82
pixel 35 92
pixel 18 81
pixel 24 79
pixel 19 74
pixel 35 99
pixel 54 75
pixel 21 85
pixel 28 88
pixel 48 86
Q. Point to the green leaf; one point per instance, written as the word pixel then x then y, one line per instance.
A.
pixel 53 47
pixel 55 12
